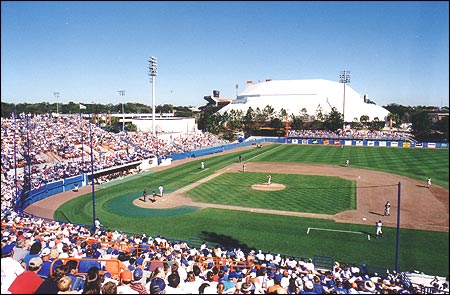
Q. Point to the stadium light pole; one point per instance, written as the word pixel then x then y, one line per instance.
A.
pixel 92 174
pixel 397 247
pixel 56 94
pixel 153 73
pixel 16 196
pixel 122 93
pixel 237 86
pixel 344 77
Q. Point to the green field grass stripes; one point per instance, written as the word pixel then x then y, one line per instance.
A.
pixel 414 163
pixel 303 193
pixel 267 152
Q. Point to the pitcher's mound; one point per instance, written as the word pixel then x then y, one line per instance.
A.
pixel 269 187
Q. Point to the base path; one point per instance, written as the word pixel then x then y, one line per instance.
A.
pixel 421 208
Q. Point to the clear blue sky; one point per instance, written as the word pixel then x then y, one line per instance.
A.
pixel 397 52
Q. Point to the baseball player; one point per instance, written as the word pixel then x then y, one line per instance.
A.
pixel 144 194
pixel 161 190
pixel 387 209
pixel 379 224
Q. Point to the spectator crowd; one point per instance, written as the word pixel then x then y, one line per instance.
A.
pixel 46 256
pixel 352 134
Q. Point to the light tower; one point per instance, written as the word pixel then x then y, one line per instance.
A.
pixel 122 93
pixel 153 73
pixel 56 94
pixel 344 77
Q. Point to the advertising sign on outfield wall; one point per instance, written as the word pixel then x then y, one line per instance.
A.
pixel 431 145
pixel 394 144
pixel 295 141
pixel 382 143
pixel 406 144
pixel 370 143
pixel 359 143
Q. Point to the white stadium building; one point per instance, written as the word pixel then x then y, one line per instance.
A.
pixel 311 94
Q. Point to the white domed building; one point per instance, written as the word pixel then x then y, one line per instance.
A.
pixel 294 95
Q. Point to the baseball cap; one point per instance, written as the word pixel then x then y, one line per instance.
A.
pixel 7 249
pixel 138 274
pixel 45 252
pixel 139 261
pixel 35 262
pixel 369 285
pixel 157 286
pixel 126 275
pixel 309 285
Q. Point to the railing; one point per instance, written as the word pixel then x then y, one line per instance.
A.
pixel 115 270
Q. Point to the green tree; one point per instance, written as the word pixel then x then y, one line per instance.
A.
pixel 421 125
pixel 237 118
pixel 395 120
pixel 276 123
pixel 319 113
pixel 334 120
pixel 206 119
pixel 304 115
pixel 376 124
pixel 296 122
pixel 260 118
pixel 268 113
pixel 355 124
pixel 130 126
pixel 249 120
pixel 403 112
pixel 442 126
pixel 364 119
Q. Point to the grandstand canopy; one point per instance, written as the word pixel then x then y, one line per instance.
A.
pixel 294 95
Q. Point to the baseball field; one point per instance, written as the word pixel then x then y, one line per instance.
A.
pixel 313 206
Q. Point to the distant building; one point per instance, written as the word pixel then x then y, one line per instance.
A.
pixel 294 95
pixel 215 101
pixel 164 123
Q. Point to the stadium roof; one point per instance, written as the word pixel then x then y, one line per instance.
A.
pixel 294 95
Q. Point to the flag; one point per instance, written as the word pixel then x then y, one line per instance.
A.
pixel 82 107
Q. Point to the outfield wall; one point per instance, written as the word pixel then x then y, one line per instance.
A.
pixel 363 142
pixel 42 190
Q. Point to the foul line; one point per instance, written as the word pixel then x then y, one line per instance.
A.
pixel 264 153
pixel 337 230
pixel 200 171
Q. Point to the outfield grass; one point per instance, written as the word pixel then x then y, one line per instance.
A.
pixel 411 162
pixel 280 234
pixel 303 193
